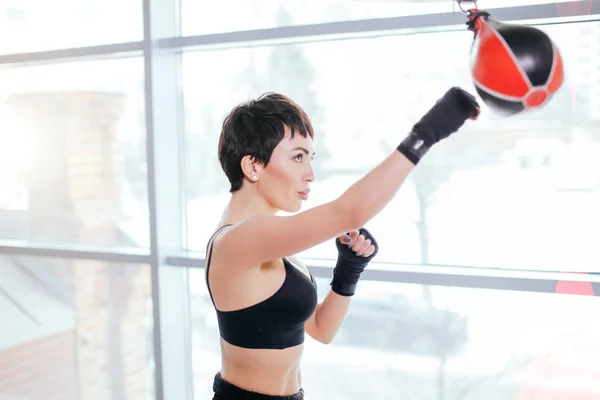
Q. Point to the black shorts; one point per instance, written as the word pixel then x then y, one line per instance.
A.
pixel 227 391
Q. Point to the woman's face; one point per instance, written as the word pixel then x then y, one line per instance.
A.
pixel 285 181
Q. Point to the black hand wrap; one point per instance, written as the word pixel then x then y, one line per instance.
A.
pixel 349 266
pixel 446 117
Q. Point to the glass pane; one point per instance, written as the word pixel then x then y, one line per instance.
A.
pixel 504 192
pixel 75 330
pixel 38 25
pixel 198 18
pixel 419 342
pixel 72 153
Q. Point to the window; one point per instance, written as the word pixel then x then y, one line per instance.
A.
pixel 435 342
pixel 73 155
pixel 74 329
pixel 239 15
pixel 503 193
pixel 96 297
pixel 38 25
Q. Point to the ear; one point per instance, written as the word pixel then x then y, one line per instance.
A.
pixel 251 168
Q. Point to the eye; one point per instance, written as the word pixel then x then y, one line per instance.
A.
pixel 298 157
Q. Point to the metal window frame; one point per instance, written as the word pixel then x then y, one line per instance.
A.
pixel 548 13
pixel 534 14
pixel 166 197
pixel 435 275
pixel 161 49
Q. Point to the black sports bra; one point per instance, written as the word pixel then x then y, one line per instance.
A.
pixel 274 323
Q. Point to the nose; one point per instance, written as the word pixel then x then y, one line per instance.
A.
pixel 309 176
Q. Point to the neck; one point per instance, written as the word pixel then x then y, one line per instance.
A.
pixel 246 203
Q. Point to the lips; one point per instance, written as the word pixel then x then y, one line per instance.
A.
pixel 304 194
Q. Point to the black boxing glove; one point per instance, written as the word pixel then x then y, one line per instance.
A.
pixel 447 115
pixel 349 266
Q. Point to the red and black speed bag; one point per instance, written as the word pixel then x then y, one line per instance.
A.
pixel 514 68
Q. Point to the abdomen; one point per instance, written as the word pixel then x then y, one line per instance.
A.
pixel 272 372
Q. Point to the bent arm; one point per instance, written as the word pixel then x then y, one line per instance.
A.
pixel 327 319
pixel 264 238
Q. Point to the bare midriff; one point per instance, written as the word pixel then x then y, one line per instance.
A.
pixel 265 371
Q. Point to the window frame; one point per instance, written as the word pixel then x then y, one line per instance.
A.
pixel 161 47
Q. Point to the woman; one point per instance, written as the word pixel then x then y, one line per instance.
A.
pixel 264 297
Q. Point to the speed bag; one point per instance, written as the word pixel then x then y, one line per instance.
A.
pixel 514 68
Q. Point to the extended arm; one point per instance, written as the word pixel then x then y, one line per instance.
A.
pixel 263 238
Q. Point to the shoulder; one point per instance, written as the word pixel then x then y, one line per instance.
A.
pixel 219 233
pixel 212 246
